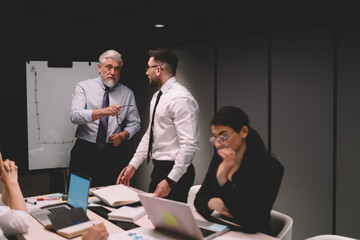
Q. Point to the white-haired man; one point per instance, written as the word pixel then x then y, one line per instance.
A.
pixel 106 114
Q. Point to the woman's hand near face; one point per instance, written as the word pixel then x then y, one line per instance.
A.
pixel 228 156
pixel 218 205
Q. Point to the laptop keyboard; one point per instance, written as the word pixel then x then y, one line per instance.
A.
pixel 205 232
pixel 57 209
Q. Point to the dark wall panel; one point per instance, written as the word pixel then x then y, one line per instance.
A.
pixel 302 126
pixel 348 131
pixel 242 78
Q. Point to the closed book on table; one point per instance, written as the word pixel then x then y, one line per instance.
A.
pixel 127 214
pixel 116 195
pixel 78 229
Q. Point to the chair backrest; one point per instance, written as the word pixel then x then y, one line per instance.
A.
pixel 281 225
pixel 330 237
pixel 192 193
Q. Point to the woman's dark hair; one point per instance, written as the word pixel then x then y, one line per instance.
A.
pixel 236 118
pixel 232 117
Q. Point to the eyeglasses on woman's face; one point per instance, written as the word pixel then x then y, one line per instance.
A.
pixel 221 139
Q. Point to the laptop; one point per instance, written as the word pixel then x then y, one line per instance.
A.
pixel 177 217
pixel 77 197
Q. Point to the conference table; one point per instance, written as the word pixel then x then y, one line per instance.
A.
pixel 37 231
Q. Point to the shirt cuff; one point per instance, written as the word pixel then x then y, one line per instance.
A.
pixel 88 115
pixel 174 175
pixel 135 163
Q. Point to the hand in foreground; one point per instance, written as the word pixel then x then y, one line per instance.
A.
pixel 11 195
pixel 111 110
pixel 218 205
pixel 228 156
pixel 97 232
pixel 162 189
pixel 116 139
pixel 125 175
pixel 9 171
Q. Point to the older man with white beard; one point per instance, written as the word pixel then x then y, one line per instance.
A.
pixel 106 114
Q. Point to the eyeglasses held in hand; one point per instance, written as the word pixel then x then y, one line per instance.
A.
pixel 118 117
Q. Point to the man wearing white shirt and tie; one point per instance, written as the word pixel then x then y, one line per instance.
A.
pixel 172 138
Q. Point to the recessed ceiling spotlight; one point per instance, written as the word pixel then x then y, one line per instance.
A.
pixel 159 25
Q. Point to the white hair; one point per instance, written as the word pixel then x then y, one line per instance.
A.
pixel 112 54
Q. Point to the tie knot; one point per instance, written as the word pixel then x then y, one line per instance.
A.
pixel 107 89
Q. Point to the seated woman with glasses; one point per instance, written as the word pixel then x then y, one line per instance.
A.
pixel 243 179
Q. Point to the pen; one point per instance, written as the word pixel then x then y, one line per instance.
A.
pixel 46 199
pixel 33 202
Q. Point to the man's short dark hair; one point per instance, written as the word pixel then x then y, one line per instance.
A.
pixel 163 55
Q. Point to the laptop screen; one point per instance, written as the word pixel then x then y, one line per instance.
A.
pixel 78 191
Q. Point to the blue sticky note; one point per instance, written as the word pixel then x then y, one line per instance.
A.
pixel 217 227
pixel 55 195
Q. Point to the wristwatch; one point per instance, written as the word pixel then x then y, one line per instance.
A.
pixel 170 182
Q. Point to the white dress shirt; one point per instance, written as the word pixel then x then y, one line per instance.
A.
pixel 2 237
pixel 175 131
pixel 13 221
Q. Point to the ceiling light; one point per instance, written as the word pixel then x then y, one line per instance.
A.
pixel 159 25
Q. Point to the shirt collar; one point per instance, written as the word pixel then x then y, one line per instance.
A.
pixel 168 84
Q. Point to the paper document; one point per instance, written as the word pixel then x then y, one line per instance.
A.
pixel 140 233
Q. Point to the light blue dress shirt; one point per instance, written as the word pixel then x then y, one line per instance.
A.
pixel 88 96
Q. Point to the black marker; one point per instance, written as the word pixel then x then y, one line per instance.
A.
pixel 33 202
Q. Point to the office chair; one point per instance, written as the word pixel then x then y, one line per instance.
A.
pixel 192 193
pixel 281 225
pixel 330 237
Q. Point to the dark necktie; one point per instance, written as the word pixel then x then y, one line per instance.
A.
pixel 103 123
pixel 151 128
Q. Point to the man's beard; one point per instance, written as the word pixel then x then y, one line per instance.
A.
pixel 154 82
pixel 110 81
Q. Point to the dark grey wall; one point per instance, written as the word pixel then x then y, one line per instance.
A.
pixel 242 78
pixel 302 126
pixel 348 130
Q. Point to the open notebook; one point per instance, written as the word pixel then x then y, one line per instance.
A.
pixel 116 195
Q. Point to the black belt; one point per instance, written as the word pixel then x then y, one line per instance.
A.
pixel 163 162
